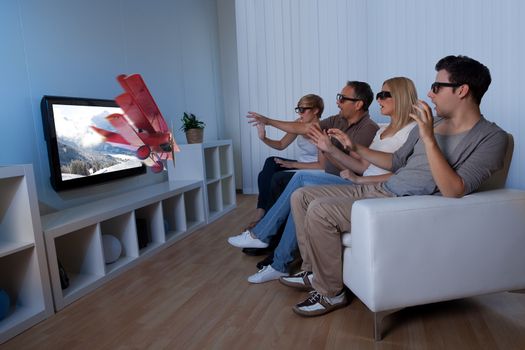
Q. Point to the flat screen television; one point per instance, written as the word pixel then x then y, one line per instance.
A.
pixel 77 155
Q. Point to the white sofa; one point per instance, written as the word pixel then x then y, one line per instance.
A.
pixel 422 249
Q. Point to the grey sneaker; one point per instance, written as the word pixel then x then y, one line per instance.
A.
pixel 318 304
pixel 301 280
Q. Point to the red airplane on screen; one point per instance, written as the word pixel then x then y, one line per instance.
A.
pixel 142 128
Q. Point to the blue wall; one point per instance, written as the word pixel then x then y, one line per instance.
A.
pixel 77 48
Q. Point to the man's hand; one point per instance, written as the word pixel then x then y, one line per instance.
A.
pixel 285 163
pixel 424 119
pixel 342 138
pixel 320 139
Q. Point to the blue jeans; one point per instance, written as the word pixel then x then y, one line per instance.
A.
pixel 280 211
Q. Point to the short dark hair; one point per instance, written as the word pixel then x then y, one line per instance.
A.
pixel 465 70
pixel 363 91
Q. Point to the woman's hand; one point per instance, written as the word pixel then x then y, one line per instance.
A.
pixel 261 131
pixel 256 119
pixel 349 175
pixel 285 163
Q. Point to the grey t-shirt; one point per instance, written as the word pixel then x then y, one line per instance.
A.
pixel 475 156
pixel 413 177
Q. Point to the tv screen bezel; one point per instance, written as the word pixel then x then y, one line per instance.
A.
pixel 57 183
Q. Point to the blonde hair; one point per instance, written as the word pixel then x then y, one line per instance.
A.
pixel 404 94
pixel 313 101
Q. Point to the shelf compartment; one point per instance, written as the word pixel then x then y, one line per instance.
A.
pixel 7 248
pixel 24 274
pixel 123 228
pixel 20 278
pixel 80 253
pixel 116 215
pixel 214 198
pixel 228 192
pixel 211 162
pixel 149 224
pixel 174 216
pixel 14 199
pixel 225 160
pixel 193 205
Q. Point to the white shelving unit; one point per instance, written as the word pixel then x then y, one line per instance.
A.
pixel 211 162
pixel 23 268
pixel 144 221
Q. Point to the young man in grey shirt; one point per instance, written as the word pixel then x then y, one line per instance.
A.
pixel 450 155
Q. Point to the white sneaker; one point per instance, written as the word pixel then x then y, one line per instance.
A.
pixel 245 240
pixel 267 273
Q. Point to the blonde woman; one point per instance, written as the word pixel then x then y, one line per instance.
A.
pixel 396 98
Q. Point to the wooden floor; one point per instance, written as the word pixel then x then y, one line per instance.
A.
pixel 194 295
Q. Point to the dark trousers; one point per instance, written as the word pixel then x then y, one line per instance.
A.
pixel 272 180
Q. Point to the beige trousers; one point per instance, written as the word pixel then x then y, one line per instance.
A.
pixel 321 214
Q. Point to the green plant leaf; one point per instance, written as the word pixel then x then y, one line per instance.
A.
pixel 190 121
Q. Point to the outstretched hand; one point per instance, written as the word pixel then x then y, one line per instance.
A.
pixel 423 117
pixel 256 119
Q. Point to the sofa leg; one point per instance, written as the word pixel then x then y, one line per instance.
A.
pixel 378 319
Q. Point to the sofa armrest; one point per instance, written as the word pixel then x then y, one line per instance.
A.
pixel 415 250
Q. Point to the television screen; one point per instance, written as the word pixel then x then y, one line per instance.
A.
pixel 78 156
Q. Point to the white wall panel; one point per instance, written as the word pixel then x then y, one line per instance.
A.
pixel 314 46
pixel 287 49
pixel 229 80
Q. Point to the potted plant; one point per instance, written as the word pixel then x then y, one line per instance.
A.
pixel 192 127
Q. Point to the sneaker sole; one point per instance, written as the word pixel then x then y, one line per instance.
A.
pixel 256 251
pixel 321 311
pixel 243 245
pixel 263 281
pixel 298 286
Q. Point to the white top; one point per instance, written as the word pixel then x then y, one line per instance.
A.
pixel 307 150
pixel 388 144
